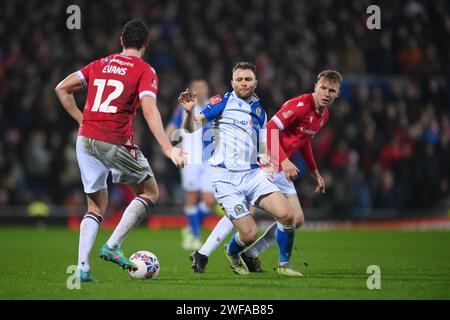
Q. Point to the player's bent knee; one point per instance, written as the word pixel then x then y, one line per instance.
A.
pixel 97 210
pixel 299 221
pixel 153 196
pixel 148 189
pixel 285 216
pixel 249 236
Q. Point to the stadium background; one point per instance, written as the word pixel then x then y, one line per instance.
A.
pixel 384 153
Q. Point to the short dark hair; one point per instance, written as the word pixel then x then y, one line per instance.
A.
pixel 245 65
pixel 134 34
pixel 330 75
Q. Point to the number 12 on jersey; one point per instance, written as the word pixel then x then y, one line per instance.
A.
pixel 104 106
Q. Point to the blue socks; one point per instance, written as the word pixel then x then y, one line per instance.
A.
pixel 194 222
pixel 203 211
pixel 285 240
pixel 195 216
pixel 235 246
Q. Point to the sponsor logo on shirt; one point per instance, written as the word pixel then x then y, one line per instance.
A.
pixel 250 123
pixel 215 99
pixel 308 131
pixel 122 63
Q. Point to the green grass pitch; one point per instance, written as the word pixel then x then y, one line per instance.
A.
pixel 413 264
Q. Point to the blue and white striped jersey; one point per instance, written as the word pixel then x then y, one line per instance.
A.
pixel 241 127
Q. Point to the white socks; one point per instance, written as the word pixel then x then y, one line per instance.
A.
pixel 134 214
pixel 264 242
pixel 88 231
pixel 220 232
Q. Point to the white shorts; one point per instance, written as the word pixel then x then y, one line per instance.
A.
pixel 235 191
pixel 285 185
pixel 197 177
pixel 97 158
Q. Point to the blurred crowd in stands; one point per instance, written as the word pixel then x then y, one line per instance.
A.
pixel 386 144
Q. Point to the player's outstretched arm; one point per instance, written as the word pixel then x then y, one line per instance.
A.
pixel 64 90
pixel 187 100
pixel 154 122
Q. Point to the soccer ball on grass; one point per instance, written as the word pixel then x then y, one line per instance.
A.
pixel 148 265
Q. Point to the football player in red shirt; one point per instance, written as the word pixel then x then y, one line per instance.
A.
pixel 116 86
pixel 291 129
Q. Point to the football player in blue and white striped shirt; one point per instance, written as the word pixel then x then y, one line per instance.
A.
pixel 196 175
pixel 238 180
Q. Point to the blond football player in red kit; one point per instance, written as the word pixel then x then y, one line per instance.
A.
pixel 291 129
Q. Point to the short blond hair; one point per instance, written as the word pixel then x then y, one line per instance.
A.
pixel 330 75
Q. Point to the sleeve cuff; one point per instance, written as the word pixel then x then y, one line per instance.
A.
pixel 206 114
pixel 147 93
pixel 278 122
pixel 82 78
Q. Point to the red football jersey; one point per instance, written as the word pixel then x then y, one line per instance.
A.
pixel 115 85
pixel 295 123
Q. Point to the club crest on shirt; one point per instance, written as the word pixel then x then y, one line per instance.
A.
pixel 258 111
pixel 239 208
